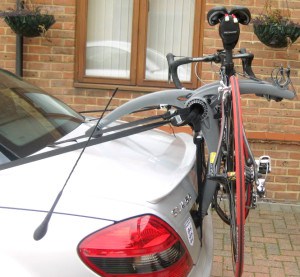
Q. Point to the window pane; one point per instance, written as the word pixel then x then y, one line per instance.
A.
pixel 170 29
pixel 109 28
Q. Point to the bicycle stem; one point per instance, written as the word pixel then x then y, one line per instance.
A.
pixel 228 65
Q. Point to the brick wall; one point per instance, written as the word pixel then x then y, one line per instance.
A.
pixel 274 128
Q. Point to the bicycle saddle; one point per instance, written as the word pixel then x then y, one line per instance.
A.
pixel 242 14
pixel 229 29
pixel 215 15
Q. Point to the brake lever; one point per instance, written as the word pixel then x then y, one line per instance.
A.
pixel 281 76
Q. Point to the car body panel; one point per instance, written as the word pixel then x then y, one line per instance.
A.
pixel 164 159
pixel 111 191
pixel 148 173
pixel 54 255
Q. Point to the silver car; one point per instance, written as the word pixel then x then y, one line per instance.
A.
pixel 121 208
pixel 112 59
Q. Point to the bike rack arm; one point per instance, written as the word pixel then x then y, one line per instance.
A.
pixel 259 88
pixel 176 98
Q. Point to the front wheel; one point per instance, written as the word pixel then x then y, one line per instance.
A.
pixel 230 197
pixel 237 192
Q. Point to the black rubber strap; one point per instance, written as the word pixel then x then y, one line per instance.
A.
pixel 100 132
pixel 76 146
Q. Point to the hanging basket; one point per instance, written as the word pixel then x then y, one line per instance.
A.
pixel 277 35
pixel 28 22
pixel 30 25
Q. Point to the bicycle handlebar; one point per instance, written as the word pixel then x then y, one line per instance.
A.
pixel 218 57
pixel 247 59
pixel 173 65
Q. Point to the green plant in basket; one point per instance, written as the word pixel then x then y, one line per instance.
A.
pixel 28 21
pixel 275 29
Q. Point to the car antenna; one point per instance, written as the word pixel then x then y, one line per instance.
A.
pixel 41 230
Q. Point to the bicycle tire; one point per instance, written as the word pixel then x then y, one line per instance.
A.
pixel 237 196
pixel 221 199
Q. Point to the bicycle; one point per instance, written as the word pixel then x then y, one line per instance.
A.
pixel 214 114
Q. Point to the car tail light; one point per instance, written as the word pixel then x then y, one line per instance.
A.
pixel 142 246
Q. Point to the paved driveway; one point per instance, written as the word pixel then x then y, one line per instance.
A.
pixel 272 246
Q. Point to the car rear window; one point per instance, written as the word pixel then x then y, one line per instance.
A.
pixel 31 119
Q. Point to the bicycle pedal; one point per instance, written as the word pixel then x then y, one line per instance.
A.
pixel 264 164
pixel 260 189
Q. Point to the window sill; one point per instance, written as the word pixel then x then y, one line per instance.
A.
pixel 121 87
